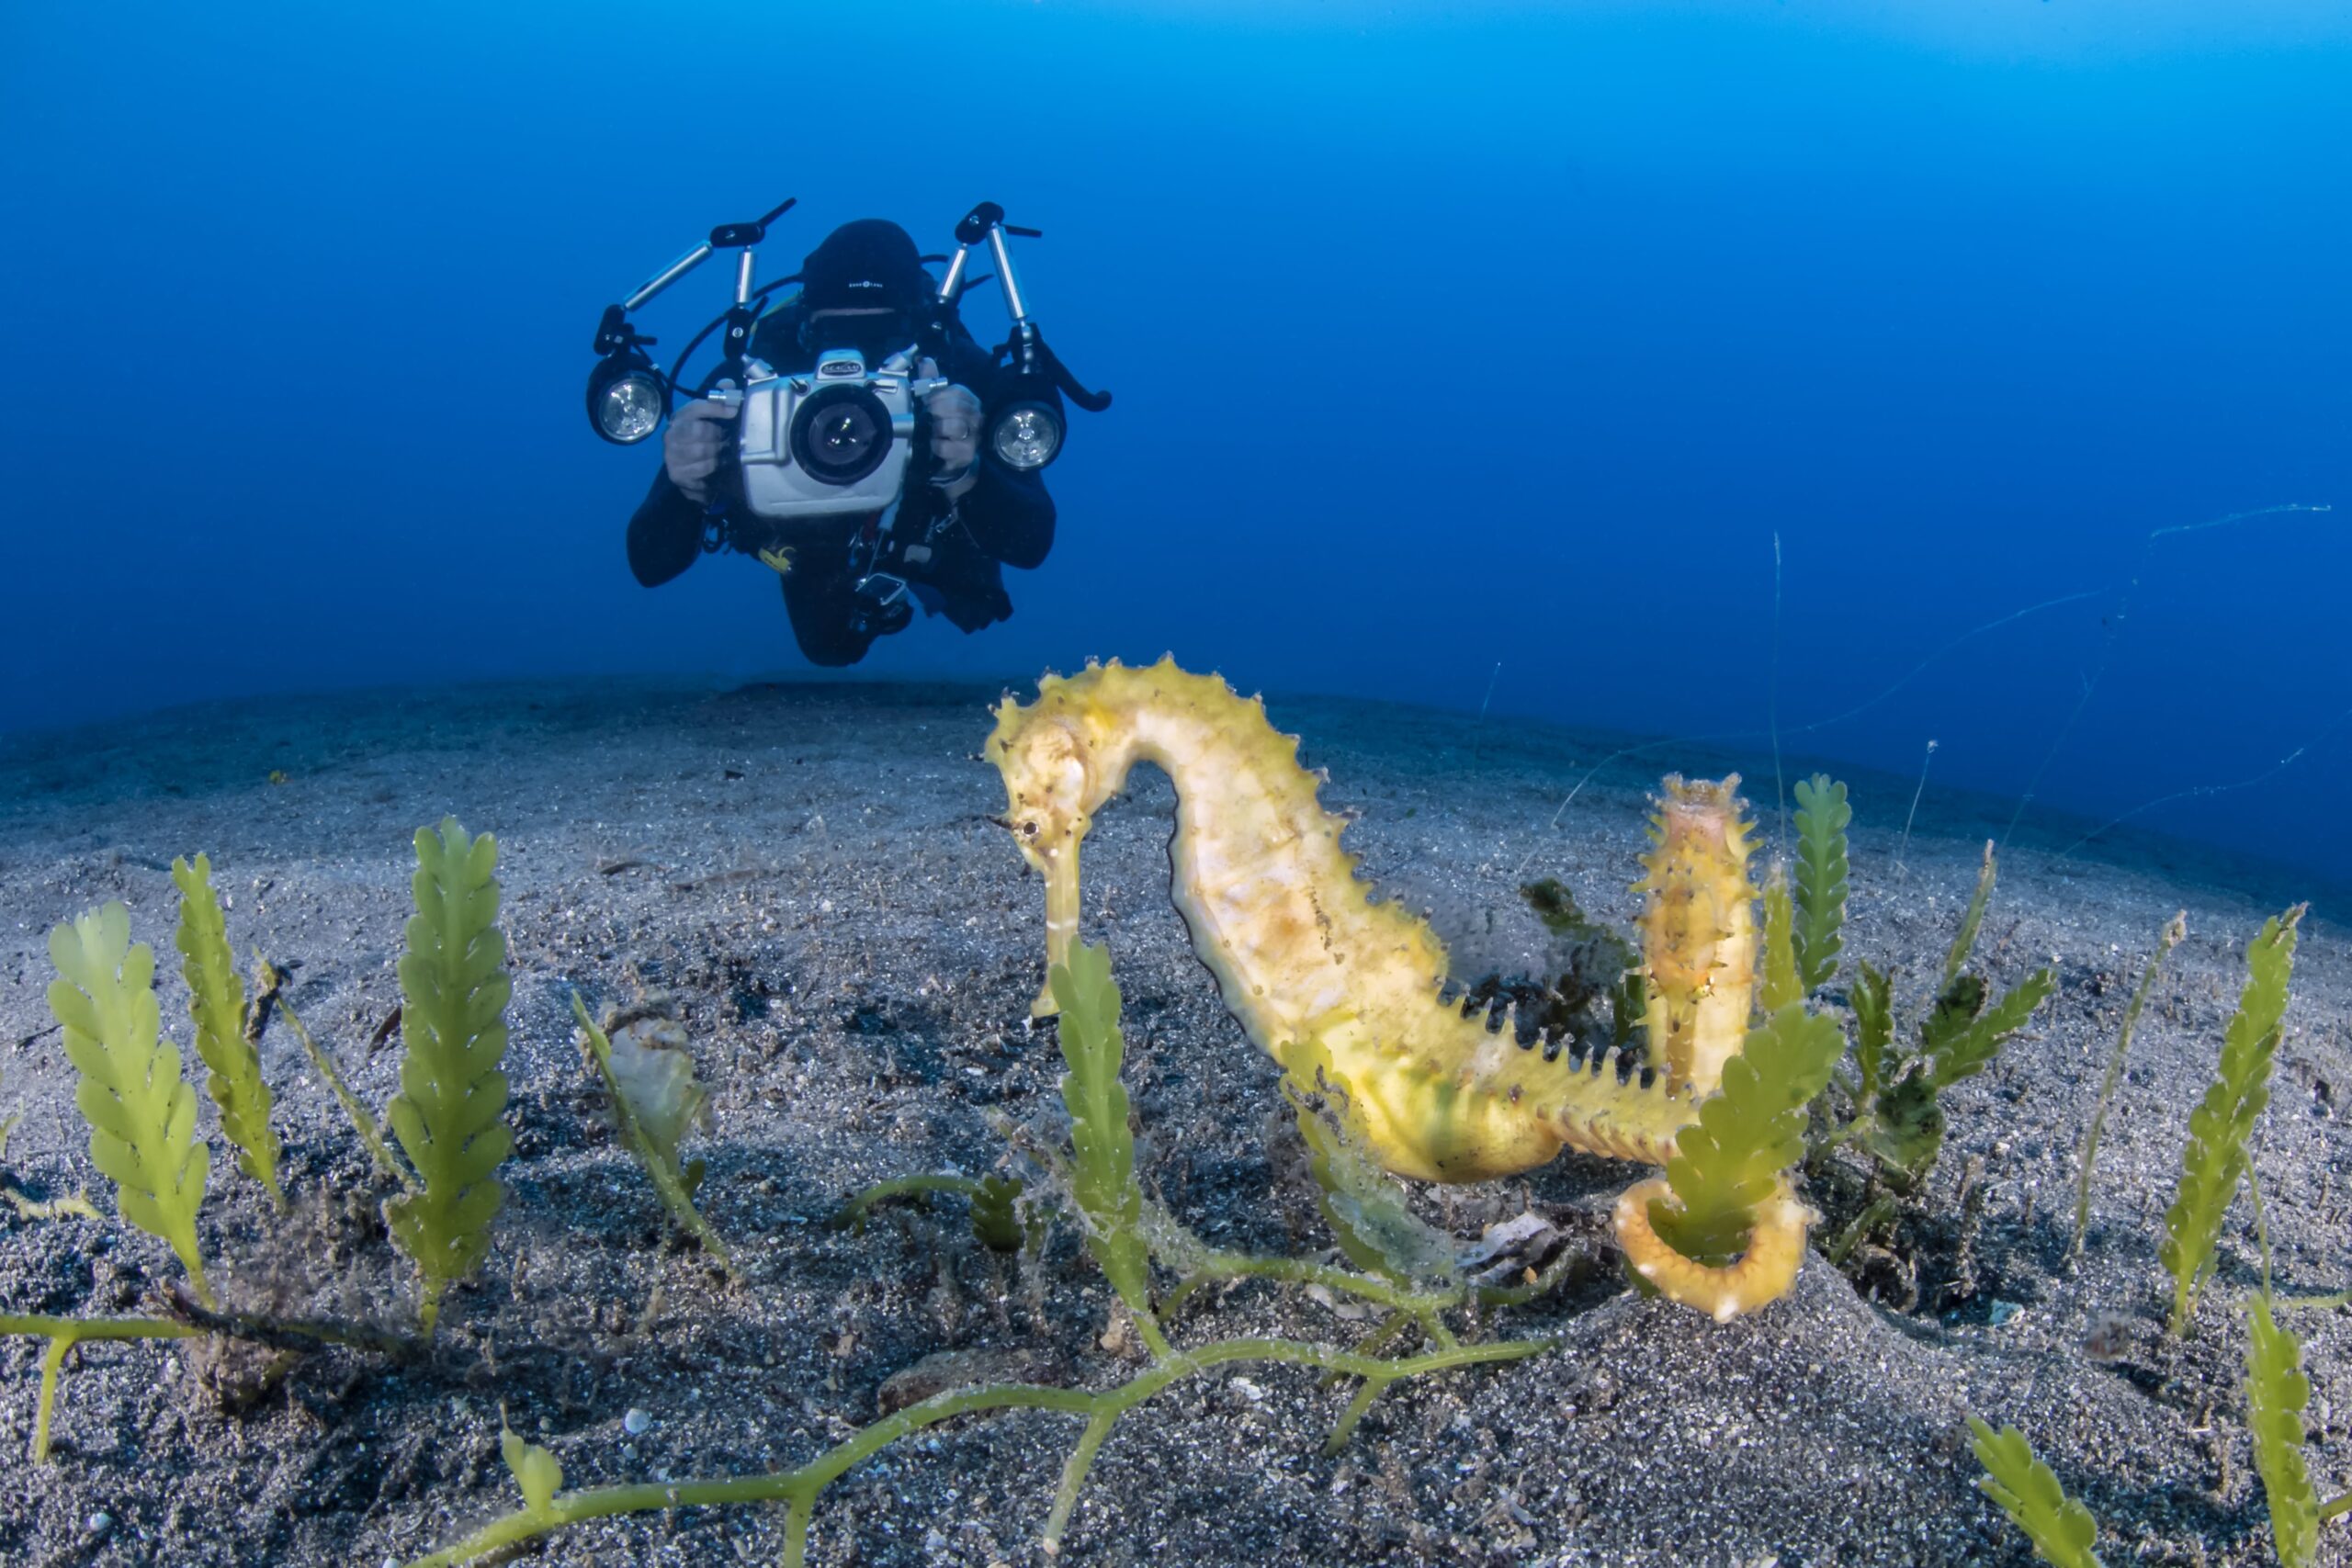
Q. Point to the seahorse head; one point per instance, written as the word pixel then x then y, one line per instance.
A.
pixel 1049 780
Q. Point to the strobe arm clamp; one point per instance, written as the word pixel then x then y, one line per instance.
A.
pixel 628 397
pixel 618 334
pixel 1025 431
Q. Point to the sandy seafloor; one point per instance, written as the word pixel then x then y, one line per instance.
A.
pixel 813 873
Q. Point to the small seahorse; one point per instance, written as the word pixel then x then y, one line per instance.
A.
pixel 1323 978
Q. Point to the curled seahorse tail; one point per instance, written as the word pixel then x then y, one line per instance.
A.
pixel 1761 1275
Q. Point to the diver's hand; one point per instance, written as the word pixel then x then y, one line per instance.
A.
pixel 693 448
pixel 954 414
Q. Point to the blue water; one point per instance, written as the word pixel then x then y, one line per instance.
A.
pixel 1445 337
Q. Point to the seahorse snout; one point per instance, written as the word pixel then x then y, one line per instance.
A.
pixel 1048 781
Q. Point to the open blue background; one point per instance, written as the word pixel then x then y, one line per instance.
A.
pixel 1444 336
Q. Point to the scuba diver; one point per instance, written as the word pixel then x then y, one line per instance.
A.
pixel 940 539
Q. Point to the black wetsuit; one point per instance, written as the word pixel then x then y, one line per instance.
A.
pixel 952 551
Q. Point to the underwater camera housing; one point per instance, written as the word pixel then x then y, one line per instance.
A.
pixel 836 439
pixel 840 438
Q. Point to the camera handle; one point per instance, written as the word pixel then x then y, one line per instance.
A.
pixel 718 531
pixel 921 462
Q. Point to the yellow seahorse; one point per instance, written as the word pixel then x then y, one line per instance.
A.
pixel 1325 978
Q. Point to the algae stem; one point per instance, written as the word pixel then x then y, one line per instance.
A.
pixel 1345 1427
pixel 1881 1210
pixel 64 1334
pixel 1372 1344
pixel 800 1508
pixel 852 1215
pixel 2174 931
pixel 1421 1307
pixel 1843 1136
pixel 1304 1271
pixel 53 1362
pixel 1154 1338
pixel 293 1333
pixel 1074 1468
pixel 1173 1302
pixel 360 1121
pixel 2316 1303
pixel 1099 1407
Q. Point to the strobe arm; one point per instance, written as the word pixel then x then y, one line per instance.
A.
pixel 985 224
pixel 644 292
pixel 627 396
pixel 1031 359
pixel 726 237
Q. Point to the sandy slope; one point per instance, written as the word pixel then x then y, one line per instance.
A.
pixel 813 873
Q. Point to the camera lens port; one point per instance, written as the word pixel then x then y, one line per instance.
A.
pixel 841 433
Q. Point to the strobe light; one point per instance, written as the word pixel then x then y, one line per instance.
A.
pixel 627 399
pixel 1026 435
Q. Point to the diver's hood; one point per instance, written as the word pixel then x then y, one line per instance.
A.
pixel 862 264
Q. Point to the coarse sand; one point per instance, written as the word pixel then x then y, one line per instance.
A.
pixel 812 873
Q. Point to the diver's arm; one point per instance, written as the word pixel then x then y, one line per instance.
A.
pixel 1010 515
pixel 665 534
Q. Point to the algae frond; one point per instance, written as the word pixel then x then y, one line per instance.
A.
pixel 449 1116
